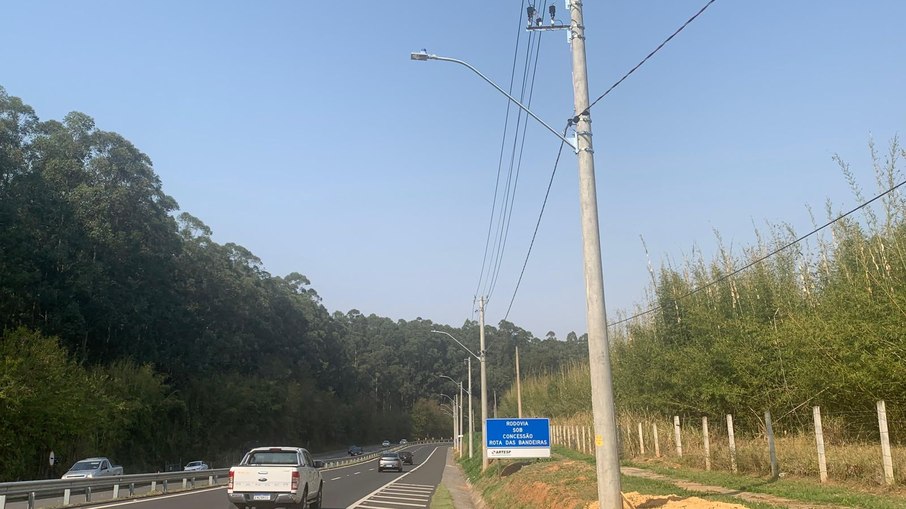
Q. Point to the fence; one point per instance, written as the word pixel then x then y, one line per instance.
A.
pixel 831 445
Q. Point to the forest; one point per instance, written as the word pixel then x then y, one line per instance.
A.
pixel 128 332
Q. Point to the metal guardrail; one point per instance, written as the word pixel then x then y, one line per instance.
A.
pixel 31 491
pixel 35 490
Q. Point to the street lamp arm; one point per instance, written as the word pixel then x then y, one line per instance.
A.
pixel 457 384
pixel 460 344
pixel 426 56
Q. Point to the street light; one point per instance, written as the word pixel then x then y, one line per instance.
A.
pixel 456 431
pixel 607 457
pixel 424 55
pixel 484 398
pixel 459 383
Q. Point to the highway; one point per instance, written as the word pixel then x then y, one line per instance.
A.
pixel 351 487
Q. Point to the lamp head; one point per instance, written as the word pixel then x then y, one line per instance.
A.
pixel 419 55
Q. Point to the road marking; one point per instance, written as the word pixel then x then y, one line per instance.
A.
pixel 336 478
pixel 356 473
pixel 359 502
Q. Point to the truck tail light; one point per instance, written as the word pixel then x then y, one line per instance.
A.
pixel 230 481
pixel 294 486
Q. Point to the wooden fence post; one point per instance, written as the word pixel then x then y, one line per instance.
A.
pixel 732 438
pixel 772 451
pixel 641 441
pixel 885 443
pixel 676 436
pixel 657 445
pixel 707 443
pixel 819 441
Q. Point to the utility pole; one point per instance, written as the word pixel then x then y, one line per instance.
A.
pixel 460 419
pixel 484 388
pixel 607 457
pixel 518 386
pixel 471 426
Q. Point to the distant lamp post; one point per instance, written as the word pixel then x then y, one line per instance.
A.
pixel 484 395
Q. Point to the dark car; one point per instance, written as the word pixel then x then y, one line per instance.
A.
pixel 390 461
pixel 406 456
pixel 355 450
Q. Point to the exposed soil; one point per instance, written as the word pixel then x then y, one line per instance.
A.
pixel 635 500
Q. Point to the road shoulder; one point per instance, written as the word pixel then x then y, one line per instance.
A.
pixel 454 479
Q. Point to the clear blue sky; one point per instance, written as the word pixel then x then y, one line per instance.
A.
pixel 302 131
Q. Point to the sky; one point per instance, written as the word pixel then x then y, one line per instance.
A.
pixel 304 132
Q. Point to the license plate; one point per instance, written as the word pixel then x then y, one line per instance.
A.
pixel 261 496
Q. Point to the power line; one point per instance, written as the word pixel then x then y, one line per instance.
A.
pixel 513 159
pixel 506 121
pixel 661 45
pixel 765 257
pixel 537 223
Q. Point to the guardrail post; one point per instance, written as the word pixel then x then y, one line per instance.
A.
pixel 88 494
pixel 153 485
pixel 31 500
pixel 2 501
pixel 210 480
pixel 192 483
pixel 216 480
pixel 165 486
pixel 66 494
pixel 131 489
pixel 116 491
pixel 184 482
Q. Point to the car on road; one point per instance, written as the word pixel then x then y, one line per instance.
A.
pixel 404 442
pixel 93 467
pixel 385 443
pixel 194 466
pixel 355 450
pixel 390 461
pixel 406 456
pixel 270 477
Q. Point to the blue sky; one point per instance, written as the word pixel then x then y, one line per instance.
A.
pixel 302 131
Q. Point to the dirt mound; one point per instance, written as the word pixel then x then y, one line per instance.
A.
pixel 635 500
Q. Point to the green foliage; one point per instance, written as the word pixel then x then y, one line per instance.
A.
pixel 172 346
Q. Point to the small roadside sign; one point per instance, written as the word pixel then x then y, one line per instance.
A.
pixel 52 459
pixel 519 438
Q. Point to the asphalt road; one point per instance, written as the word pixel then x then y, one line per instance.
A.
pixel 352 487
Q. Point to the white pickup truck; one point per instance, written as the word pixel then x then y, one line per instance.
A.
pixel 91 468
pixel 269 477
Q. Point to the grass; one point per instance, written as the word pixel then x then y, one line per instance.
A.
pixel 441 499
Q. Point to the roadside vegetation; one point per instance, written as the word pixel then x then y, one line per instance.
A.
pixel 129 332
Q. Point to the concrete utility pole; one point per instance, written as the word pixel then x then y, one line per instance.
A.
pixel 484 387
pixel 518 386
pixel 471 426
pixel 460 419
pixel 607 457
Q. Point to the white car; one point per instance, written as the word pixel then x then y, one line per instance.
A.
pixel 276 477
pixel 195 465
pixel 385 443
pixel 404 442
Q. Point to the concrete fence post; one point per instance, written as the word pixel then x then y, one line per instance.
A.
pixel 819 442
pixel 772 450
pixel 732 439
pixel 657 443
pixel 707 443
pixel 641 441
pixel 886 458
pixel 116 491
pixel 66 494
pixel 677 438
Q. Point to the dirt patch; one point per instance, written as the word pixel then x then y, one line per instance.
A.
pixel 639 501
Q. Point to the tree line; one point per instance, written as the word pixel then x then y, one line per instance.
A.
pixel 127 331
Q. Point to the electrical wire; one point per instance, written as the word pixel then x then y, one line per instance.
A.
pixel 500 158
pixel 765 257
pixel 661 45
pixel 513 160
pixel 538 223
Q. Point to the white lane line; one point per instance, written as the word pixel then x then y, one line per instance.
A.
pixel 410 499
pixel 358 503
pixel 412 489
pixel 161 497
pixel 336 478
pixel 417 485
pixel 402 503
pixel 356 473
pixel 377 507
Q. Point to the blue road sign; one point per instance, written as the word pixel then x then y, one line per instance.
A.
pixel 519 438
